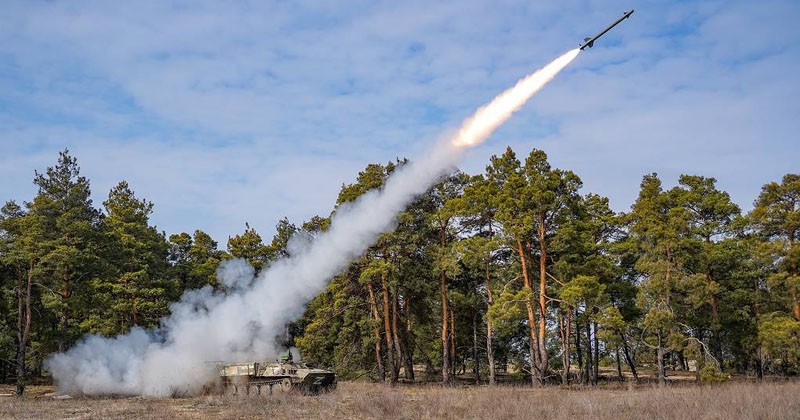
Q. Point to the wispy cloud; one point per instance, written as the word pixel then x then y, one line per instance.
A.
pixel 251 111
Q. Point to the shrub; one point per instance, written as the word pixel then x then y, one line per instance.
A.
pixel 710 375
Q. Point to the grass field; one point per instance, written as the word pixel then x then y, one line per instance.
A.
pixel 367 401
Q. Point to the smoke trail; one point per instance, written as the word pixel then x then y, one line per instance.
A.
pixel 490 116
pixel 242 324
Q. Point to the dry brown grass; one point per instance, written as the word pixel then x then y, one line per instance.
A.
pixel 368 401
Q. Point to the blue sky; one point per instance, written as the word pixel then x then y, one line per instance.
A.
pixel 223 113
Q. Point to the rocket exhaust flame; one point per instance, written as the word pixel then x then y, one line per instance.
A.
pixel 242 324
pixel 477 128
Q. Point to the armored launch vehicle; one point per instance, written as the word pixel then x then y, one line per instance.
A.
pixel 282 375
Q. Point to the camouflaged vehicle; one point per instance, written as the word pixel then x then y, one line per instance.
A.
pixel 282 375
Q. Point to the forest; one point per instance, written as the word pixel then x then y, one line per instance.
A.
pixel 511 274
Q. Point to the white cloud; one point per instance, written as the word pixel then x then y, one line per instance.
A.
pixel 226 113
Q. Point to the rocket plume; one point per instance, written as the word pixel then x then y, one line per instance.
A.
pixel 477 128
pixel 242 323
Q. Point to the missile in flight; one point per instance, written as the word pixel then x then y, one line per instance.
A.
pixel 589 42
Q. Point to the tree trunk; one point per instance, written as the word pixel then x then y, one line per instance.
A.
pixel 589 365
pixel 445 333
pixel 529 306
pixel 698 367
pixel 792 287
pixel 563 327
pixel 660 352
pixel 715 325
pixel 23 324
pixel 567 336
pixel 578 348
pixel 716 339
pixel 490 351
pixel 619 365
pixel 408 356
pixel 596 375
pixel 452 341
pixel 629 359
pixel 758 367
pixel 387 325
pixel 489 330
pixel 682 361
pixel 475 361
pixel 408 363
pixel 542 303
pixel 446 380
pixel 398 348
pixel 376 331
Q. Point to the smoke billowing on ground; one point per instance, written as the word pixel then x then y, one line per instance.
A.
pixel 208 326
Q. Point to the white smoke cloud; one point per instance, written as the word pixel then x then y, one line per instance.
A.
pixel 242 323
pixel 236 274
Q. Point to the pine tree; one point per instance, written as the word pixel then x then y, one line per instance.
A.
pixel 775 220
pixel 19 257
pixel 137 288
pixel 776 217
pixel 194 260
pixel 65 226
pixel 249 246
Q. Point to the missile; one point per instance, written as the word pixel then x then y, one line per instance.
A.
pixel 589 42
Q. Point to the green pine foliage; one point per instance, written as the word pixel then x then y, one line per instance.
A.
pixel 513 272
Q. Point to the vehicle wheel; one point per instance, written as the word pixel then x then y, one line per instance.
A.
pixel 286 385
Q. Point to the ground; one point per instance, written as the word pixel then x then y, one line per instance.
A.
pixel 362 400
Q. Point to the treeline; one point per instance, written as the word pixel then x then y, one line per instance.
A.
pixel 516 267
pixel 68 268
pixel 512 267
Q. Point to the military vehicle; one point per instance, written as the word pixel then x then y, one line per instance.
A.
pixel 284 375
